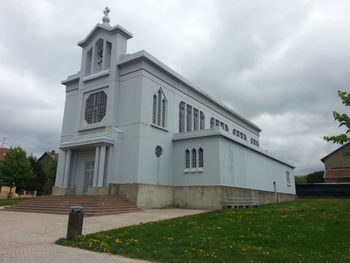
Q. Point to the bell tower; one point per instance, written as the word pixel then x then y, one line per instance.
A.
pixel 103 47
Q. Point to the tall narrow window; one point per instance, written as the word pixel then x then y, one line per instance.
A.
pixel 159 105
pixel 154 116
pixel 288 178
pixel 217 123
pixel 226 127
pixel 163 112
pixel 212 122
pixel 195 119
pixel 159 110
pixel 189 118
pixel 234 132
pixel 200 158
pixel 187 159
pixel 88 62
pixel 194 158
pixel 182 116
pixel 202 121
pixel 222 125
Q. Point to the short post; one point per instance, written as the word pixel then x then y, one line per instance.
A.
pixel 75 221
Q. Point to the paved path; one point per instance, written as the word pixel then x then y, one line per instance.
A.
pixel 30 237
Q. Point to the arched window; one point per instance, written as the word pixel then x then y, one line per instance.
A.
pixel 234 131
pixel 195 119
pixel 226 127
pixel 95 107
pixel 154 115
pixel 182 116
pixel 244 137
pixel 189 118
pixel 194 158
pixel 217 123
pixel 202 121
pixel 212 122
pixel 200 158
pixel 187 159
pixel 159 110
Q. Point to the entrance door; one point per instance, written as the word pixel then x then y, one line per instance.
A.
pixel 89 174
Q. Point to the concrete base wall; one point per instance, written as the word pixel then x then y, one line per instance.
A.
pixel 195 197
pixel 62 191
pixel 97 191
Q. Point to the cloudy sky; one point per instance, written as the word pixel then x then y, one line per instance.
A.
pixel 277 63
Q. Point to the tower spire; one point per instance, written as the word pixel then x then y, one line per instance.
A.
pixel 105 18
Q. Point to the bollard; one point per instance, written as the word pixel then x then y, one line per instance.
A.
pixel 75 221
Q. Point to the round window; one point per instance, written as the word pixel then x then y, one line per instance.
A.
pixel 158 151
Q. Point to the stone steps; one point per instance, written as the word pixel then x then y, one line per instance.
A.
pixel 93 205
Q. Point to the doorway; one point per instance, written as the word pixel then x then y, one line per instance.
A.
pixel 88 175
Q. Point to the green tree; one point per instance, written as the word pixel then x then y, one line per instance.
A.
pixel 343 119
pixel 300 179
pixel 15 169
pixel 39 176
pixel 315 177
pixel 50 176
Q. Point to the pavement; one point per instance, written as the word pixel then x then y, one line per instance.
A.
pixel 30 237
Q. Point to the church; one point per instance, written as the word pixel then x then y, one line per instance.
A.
pixel 134 127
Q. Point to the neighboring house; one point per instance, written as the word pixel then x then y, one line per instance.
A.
pixel 134 127
pixel 46 159
pixel 337 165
pixel 3 152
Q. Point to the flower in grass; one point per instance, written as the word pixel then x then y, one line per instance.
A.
pixel 170 238
pixel 118 241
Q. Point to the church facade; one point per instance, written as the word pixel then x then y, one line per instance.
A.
pixel 134 127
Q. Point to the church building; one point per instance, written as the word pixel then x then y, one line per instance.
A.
pixel 134 127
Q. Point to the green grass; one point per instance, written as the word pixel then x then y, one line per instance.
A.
pixel 300 231
pixel 5 202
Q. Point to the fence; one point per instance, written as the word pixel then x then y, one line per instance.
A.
pixel 323 190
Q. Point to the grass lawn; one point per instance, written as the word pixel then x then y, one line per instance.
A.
pixel 299 231
pixel 5 202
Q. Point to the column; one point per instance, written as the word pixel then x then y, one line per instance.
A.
pixel 101 169
pixel 97 161
pixel 67 169
pixel 60 169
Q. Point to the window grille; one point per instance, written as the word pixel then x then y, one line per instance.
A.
pixel 159 105
pixel 95 107
pixel 154 116
pixel 163 112
pixel 212 122
pixel 194 158
pixel 200 158
pixel 202 121
pixel 182 116
pixel 189 118
pixel 195 119
pixel 187 159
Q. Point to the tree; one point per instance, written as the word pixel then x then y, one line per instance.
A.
pixel 343 119
pixel 300 179
pixel 15 169
pixel 315 177
pixel 50 176
pixel 39 176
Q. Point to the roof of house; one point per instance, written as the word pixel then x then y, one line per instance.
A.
pixel 340 148
pixel 51 154
pixel 2 153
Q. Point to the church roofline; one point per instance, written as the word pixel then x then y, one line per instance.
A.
pixel 108 28
pixel 217 131
pixel 126 59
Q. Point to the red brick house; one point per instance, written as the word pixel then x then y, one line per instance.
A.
pixel 3 151
pixel 337 165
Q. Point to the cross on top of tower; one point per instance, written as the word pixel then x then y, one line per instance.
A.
pixel 106 19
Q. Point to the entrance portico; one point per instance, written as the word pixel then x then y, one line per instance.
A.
pixel 85 169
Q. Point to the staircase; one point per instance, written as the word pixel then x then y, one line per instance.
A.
pixel 94 205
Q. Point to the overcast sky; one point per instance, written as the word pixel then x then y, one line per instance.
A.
pixel 277 63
